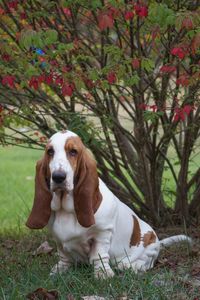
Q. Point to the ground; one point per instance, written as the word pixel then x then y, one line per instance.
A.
pixel 176 274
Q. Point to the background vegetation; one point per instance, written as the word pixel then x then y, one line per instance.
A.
pixel 125 76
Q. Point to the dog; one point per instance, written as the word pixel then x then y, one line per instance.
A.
pixel 89 223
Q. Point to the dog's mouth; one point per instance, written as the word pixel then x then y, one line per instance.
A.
pixel 60 189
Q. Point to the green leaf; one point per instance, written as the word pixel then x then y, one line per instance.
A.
pixel 26 38
pixel 93 74
pixel 152 116
pixel 114 52
pixel 51 36
pixel 133 80
pixel 95 4
pixel 79 83
pixel 160 14
pixel 37 40
pixel 65 47
pixel 147 64
pixel 31 71
pixel 105 85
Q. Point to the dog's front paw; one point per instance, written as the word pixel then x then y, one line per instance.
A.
pixel 103 273
pixel 60 267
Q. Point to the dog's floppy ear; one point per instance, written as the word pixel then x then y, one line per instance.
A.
pixel 87 196
pixel 41 209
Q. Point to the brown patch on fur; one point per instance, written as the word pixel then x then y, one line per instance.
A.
pixel 136 234
pixel 41 209
pixel 76 144
pixel 149 238
pixel 87 197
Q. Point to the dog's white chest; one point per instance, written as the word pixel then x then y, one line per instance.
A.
pixel 66 227
pixel 75 239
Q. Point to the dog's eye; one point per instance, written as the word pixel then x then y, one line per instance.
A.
pixel 73 152
pixel 50 152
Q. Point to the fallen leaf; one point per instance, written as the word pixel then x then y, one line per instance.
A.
pixel 43 294
pixel 44 248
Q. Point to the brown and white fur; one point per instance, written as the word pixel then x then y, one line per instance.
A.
pixel 89 223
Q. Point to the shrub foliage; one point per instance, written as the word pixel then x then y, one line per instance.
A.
pixel 125 76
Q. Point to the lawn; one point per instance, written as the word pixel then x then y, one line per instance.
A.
pixel 175 276
pixel 17 170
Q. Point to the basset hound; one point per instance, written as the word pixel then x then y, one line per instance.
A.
pixel 89 223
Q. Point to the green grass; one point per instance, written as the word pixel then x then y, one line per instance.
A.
pixel 22 273
pixel 17 168
pixel 168 182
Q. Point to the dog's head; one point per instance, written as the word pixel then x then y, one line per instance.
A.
pixel 67 166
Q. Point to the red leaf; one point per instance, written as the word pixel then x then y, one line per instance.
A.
pixel 141 10
pixel 181 113
pixel 135 63
pixel 49 79
pixel 105 21
pixel 183 80
pixel 179 52
pixel 23 15
pixel 129 15
pixel 13 4
pixel 68 89
pixel 5 57
pixel 54 63
pixel 176 116
pixel 41 78
pixel 9 80
pixel 111 77
pixel 113 12
pixel 89 83
pixel 143 106
pixel 187 109
pixel 67 11
pixel 1 11
pixel 167 69
pixel 187 23
pixel 154 107
pixel 33 83
pixel 67 68
pixel 59 80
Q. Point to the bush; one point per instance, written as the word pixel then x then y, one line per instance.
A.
pixel 125 76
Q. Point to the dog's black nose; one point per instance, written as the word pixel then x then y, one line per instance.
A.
pixel 58 176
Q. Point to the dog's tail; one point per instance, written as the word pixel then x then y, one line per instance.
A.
pixel 175 239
